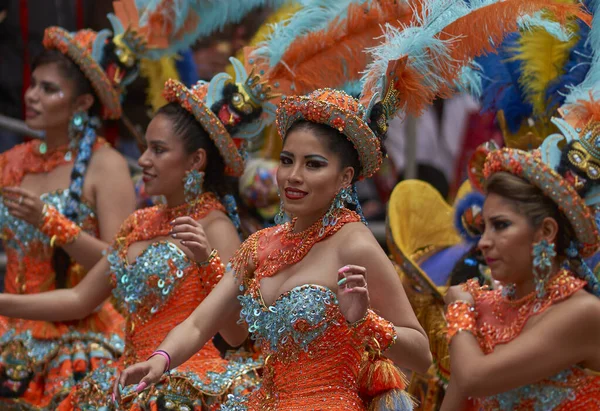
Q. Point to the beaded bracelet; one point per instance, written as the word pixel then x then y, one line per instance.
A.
pixel 461 316
pixel 214 253
pixel 59 228
pixel 374 327
pixel 165 355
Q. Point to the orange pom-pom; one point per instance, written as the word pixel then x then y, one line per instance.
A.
pixel 379 375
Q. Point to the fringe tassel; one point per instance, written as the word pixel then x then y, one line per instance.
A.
pixel 382 385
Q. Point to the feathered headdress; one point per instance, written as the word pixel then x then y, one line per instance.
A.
pixel 322 45
pixel 524 81
pixel 422 62
pixel 169 26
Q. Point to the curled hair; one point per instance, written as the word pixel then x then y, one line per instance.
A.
pixel 533 204
pixel 194 137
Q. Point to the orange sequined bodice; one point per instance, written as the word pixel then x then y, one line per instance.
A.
pixel 312 356
pixel 499 321
pixel 29 253
pixel 162 286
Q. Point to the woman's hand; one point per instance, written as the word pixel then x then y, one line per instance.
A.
pixel 143 374
pixel 192 235
pixel 456 293
pixel 352 293
pixel 24 205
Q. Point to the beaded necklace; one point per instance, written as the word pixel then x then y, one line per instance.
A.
pixel 33 158
pixel 278 247
pixel 155 221
pixel 501 320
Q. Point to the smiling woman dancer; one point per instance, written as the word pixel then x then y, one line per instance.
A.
pixel 303 284
pixel 166 259
pixel 63 201
pixel 538 226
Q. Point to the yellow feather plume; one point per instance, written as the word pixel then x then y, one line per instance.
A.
pixel 157 72
pixel 542 58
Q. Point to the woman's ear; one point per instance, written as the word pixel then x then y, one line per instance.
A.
pixel 548 230
pixel 347 176
pixel 84 102
pixel 198 161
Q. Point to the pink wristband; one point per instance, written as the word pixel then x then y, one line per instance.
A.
pixel 165 355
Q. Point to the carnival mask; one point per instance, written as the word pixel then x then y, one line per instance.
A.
pixel 579 167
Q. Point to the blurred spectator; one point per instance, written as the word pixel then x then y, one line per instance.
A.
pixel 440 134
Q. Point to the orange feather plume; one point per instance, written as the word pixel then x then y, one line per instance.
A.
pixel 331 57
pixel 497 20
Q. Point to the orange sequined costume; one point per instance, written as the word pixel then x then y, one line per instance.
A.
pixel 159 290
pixel 40 361
pixel 500 321
pixel 313 356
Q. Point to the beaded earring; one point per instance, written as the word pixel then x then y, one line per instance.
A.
pixel 77 125
pixel 329 219
pixel 543 252
pixel 280 217
pixel 193 184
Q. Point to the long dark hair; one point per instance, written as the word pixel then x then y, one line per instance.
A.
pixel 194 137
pixel 69 70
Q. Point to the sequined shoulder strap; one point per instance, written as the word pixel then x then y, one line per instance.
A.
pixel 247 254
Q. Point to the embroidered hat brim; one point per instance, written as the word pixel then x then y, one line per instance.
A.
pixel 60 39
pixel 176 92
pixel 529 166
pixel 299 108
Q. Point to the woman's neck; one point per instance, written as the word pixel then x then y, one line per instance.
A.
pixel 527 287
pixel 56 138
pixel 303 222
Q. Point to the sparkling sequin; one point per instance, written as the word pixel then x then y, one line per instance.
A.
pixel 159 290
pixel 501 320
pixel 303 334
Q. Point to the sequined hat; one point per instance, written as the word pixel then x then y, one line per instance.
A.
pixel 338 110
pixel 85 48
pixel 564 170
pixel 199 100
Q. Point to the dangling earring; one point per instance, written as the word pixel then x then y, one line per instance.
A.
pixel 329 219
pixel 280 217
pixel 543 252
pixel 193 184
pixel 77 124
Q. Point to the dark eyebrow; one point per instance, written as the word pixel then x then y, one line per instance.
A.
pixel 316 157
pixel 158 142
pixel 498 217
pixel 49 83
pixel 286 153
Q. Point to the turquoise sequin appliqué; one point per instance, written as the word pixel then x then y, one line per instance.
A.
pixel 132 289
pixel 25 233
pixel 277 323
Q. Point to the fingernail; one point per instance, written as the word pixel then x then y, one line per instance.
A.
pixel 174 235
pixel 172 222
pixel 343 269
pixel 182 242
pixel 120 389
pixel 114 398
pixel 342 281
pixel 141 387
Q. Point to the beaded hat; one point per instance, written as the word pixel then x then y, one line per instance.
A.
pixel 566 168
pixel 86 49
pixel 340 111
pixel 206 102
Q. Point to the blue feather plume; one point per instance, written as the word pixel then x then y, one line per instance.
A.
pixel 501 88
pixel 473 198
pixel 315 15
pixel 592 78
